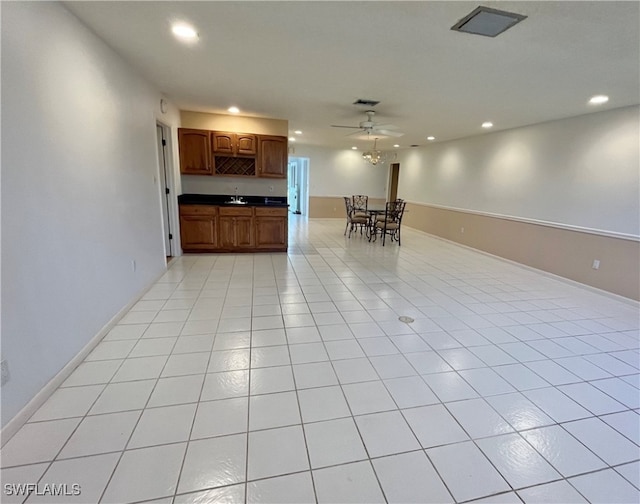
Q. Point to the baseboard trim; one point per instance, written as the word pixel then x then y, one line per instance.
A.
pixel 21 418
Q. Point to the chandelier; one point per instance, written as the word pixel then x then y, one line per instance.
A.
pixel 373 156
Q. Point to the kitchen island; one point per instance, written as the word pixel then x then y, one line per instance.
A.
pixel 229 223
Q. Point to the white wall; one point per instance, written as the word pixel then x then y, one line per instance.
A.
pixel 80 198
pixel 334 172
pixel 247 186
pixel 582 171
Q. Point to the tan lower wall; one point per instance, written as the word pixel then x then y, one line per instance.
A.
pixel 327 207
pixel 563 252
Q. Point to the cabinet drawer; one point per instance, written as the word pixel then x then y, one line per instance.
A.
pixel 198 210
pixel 236 212
pixel 271 212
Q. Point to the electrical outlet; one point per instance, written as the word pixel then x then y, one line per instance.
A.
pixel 596 264
pixel 462 230
pixel 6 376
pixel 270 188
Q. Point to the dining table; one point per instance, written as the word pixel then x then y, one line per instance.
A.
pixel 372 212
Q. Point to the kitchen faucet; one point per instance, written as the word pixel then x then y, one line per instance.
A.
pixel 236 198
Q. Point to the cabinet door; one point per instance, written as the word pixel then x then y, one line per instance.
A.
pixel 227 233
pixel 198 232
pixel 272 157
pixel 195 158
pixel 271 232
pixel 246 145
pixel 244 232
pixel 223 143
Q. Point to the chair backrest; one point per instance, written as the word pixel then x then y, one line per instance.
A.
pixel 360 201
pixel 394 210
pixel 348 205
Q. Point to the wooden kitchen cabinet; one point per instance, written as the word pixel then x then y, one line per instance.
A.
pixel 198 228
pixel 221 153
pixel 236 228
pixel 233 144
pixel 271 228
pixel 272 156
pixel 211 228
pixel 195 156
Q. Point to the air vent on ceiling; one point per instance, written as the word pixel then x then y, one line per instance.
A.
pixel 487 22
pixel 368 103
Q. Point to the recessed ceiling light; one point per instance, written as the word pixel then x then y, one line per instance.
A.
pixel 431 138
pixel 184 32
pixel 233 110
pixel 298 132
pixel 487 124
pixel 354 148
pixel 599 99
pixel 292 139
pixel 396 145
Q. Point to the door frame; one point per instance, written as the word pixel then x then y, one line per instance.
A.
pixel 166 180
pixel 301 169
pixel 394 177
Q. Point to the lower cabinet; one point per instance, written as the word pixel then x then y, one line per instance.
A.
pixel 208 228
pixel 271 228
pixel 198 228
pixel 236 228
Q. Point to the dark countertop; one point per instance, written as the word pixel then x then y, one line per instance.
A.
pixel 223 200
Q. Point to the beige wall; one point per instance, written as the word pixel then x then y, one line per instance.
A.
pixel 327 207
pixel 564 252
pixel 239 124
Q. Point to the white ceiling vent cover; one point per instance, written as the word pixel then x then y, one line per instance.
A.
pixel 487 22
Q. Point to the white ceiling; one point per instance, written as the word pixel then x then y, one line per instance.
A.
pixel 307 62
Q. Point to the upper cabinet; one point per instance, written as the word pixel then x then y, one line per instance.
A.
pixel 233 144
pixel 205 152
pixel 195 157
pixel 272 157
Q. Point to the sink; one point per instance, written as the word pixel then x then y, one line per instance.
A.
pixel 236 202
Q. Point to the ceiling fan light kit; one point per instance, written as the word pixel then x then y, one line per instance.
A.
pixel 369 127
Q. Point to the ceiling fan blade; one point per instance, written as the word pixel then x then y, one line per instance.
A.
pixel 359 132
pixel 339 126
pixel 385 126
pixel 386 132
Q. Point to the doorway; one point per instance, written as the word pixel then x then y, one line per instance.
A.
pixel 298 185
pixel 394 174
pixel 166 187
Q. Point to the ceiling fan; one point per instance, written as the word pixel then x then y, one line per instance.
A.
pixel 369 127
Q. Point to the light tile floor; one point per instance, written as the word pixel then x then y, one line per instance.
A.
pixel 289 378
